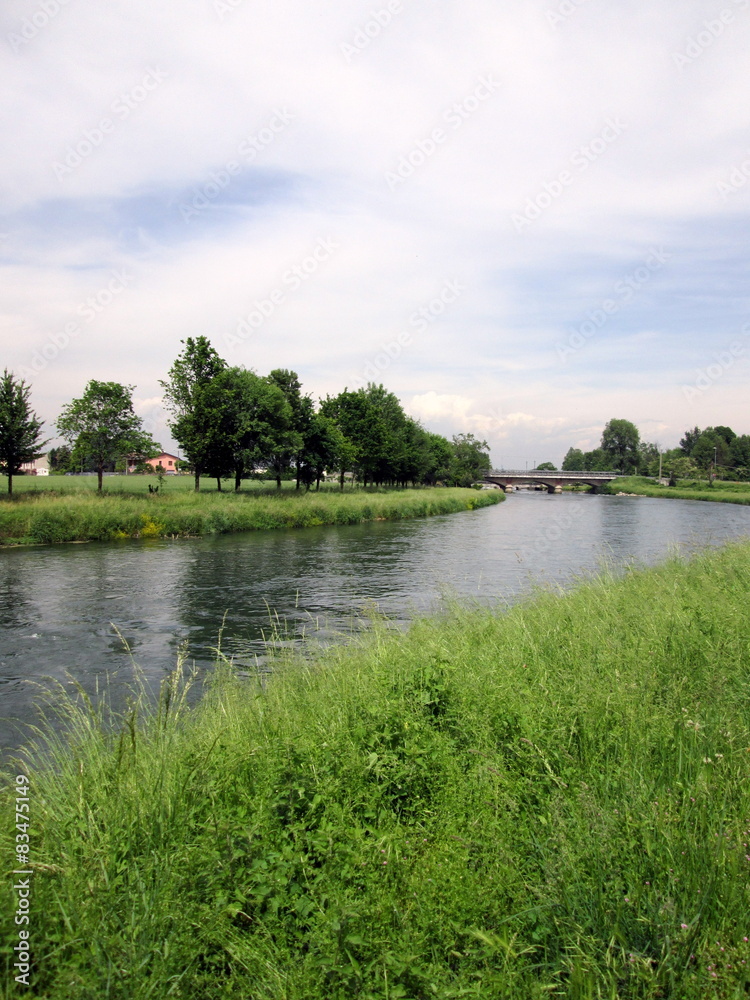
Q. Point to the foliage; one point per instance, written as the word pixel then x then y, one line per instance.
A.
pixel 574 461
pixel 197 415
pixel 620 440
pixel 402 819
pixel 101 426
pixel 546 467
pixel 471 460
pixel 20 430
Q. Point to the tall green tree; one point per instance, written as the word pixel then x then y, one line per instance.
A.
pixel 197 413
pixel 102 427
pixel 288 441
pixel 620 440
pixel 739 456
pixel 689 439
pixel 254 412
pixel 471 459
pixel 20 430
pixel 573 461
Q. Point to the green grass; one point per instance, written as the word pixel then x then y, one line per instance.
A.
pixel 44 518
pixel 553 801
pixel 720 492
pixel 137 484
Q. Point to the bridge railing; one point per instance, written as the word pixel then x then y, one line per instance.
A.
pixel 549 474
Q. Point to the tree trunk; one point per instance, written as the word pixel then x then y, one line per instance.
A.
pixel 237 480
pixel 197 480
pixel 218 483
pixel 100 476
pixel 341 480
pixel 278 480
pixel 10 483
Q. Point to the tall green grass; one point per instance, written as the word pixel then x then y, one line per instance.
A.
pixel 43 518
pixel 549 801
pixel 720 492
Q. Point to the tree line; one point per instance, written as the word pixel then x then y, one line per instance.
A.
pixel 231 422
pixel 716 452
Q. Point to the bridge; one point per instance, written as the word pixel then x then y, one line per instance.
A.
pixel 508 479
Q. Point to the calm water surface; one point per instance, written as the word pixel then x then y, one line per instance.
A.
pixel 58 605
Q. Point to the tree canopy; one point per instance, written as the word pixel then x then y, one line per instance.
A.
pixel 20 430
pixel 101 426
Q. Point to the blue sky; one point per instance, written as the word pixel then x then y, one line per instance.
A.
pixel 523 222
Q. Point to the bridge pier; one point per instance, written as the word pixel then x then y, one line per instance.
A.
pixel 552 488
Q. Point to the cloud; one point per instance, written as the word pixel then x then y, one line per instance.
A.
pixel 206 150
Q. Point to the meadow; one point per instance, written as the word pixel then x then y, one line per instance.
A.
pixel 75 512
pixel 547 801
pixel 686 489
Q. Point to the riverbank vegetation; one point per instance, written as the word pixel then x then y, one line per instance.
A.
pixel 81 516
pixel 713 453
pixel 687 489
pixel 548 801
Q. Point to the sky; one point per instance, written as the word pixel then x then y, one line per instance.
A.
pixel 523 219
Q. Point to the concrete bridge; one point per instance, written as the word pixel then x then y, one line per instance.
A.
pixel 554 481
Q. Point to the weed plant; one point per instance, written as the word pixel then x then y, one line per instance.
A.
pixel 550 801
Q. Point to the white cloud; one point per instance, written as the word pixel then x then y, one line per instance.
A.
pixel 222 76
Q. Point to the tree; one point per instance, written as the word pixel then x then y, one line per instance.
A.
pixel 60 459
pixel 101 426
pixel 710 450
pixel 19 427
pixel 471 460
pixel 620 441
pixel 598 461
pixel 648 459
pixel 253 413
pixel 546 467
pixel 197 414
pixel 688 440
pixel 739 455
pixel 573 461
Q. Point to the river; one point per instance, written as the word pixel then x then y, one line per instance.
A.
pixel 59 605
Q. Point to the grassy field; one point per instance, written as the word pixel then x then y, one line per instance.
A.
pixel 43 517
pixel 138 484
pixel 720 492
pixel 552 801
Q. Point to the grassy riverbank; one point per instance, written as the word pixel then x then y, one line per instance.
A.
pixel 549 801
pixel 686 489
pixel 41 517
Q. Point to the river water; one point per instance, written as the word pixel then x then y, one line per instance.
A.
pixel 59 605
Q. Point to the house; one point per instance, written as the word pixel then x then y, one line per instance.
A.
pixel 39 467
pixel 166 461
